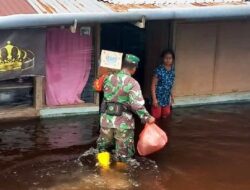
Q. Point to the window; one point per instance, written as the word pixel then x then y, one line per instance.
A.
pixel 16 92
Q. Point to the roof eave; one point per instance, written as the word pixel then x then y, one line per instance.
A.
pixel 38 20
pixel 219 12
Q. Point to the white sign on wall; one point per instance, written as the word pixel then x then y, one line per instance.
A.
pixel 111 59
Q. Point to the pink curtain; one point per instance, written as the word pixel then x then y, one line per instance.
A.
pixel 68 66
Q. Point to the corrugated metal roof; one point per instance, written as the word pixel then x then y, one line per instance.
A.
pixel 10 7
pixel 139 2
pixel 68 6
pixel 61 12
pixel 128 7
pixel 165 2
pixel 125 8
pixel 132 15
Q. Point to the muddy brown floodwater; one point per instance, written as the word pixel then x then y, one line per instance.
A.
pixel 208 149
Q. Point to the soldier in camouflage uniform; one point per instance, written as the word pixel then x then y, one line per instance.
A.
pixel 118 130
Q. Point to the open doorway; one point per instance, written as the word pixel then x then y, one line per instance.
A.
pixel 146 43
pixel 125 38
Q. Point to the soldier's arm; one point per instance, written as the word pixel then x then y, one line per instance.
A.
pixel 137 102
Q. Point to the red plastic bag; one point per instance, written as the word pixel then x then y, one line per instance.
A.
pixel 98 83
pixel 151 139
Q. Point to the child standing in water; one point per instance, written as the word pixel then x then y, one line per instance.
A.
pixel 162 85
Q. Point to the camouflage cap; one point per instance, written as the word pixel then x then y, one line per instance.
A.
pixel 132 59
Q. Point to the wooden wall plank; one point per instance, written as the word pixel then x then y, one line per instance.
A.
pixel 212 58
pixel 97 56
pixel 233 57
pixel 195 54
pixel 39 92
pixel 18 113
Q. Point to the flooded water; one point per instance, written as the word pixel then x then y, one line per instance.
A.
pixel 208 149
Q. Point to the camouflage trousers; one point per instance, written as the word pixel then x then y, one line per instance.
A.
pixel 121 139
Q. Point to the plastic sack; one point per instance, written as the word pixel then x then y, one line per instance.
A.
pixel 98 83
pixel 151 139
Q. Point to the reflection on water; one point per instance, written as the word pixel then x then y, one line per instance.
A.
pixel 208 150
pixel 48 134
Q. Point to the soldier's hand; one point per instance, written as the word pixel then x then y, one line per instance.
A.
pixel 151 120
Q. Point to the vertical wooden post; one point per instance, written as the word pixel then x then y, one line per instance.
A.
pixel 172 39
pixel 38 92
pixel 216 53
pixel 172 43
pixel 97 53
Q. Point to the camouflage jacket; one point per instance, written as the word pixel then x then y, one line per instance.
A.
pixel 122 88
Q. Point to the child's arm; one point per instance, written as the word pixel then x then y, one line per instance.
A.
pixel 153 89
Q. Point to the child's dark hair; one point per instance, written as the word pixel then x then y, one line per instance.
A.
pixel 168 51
